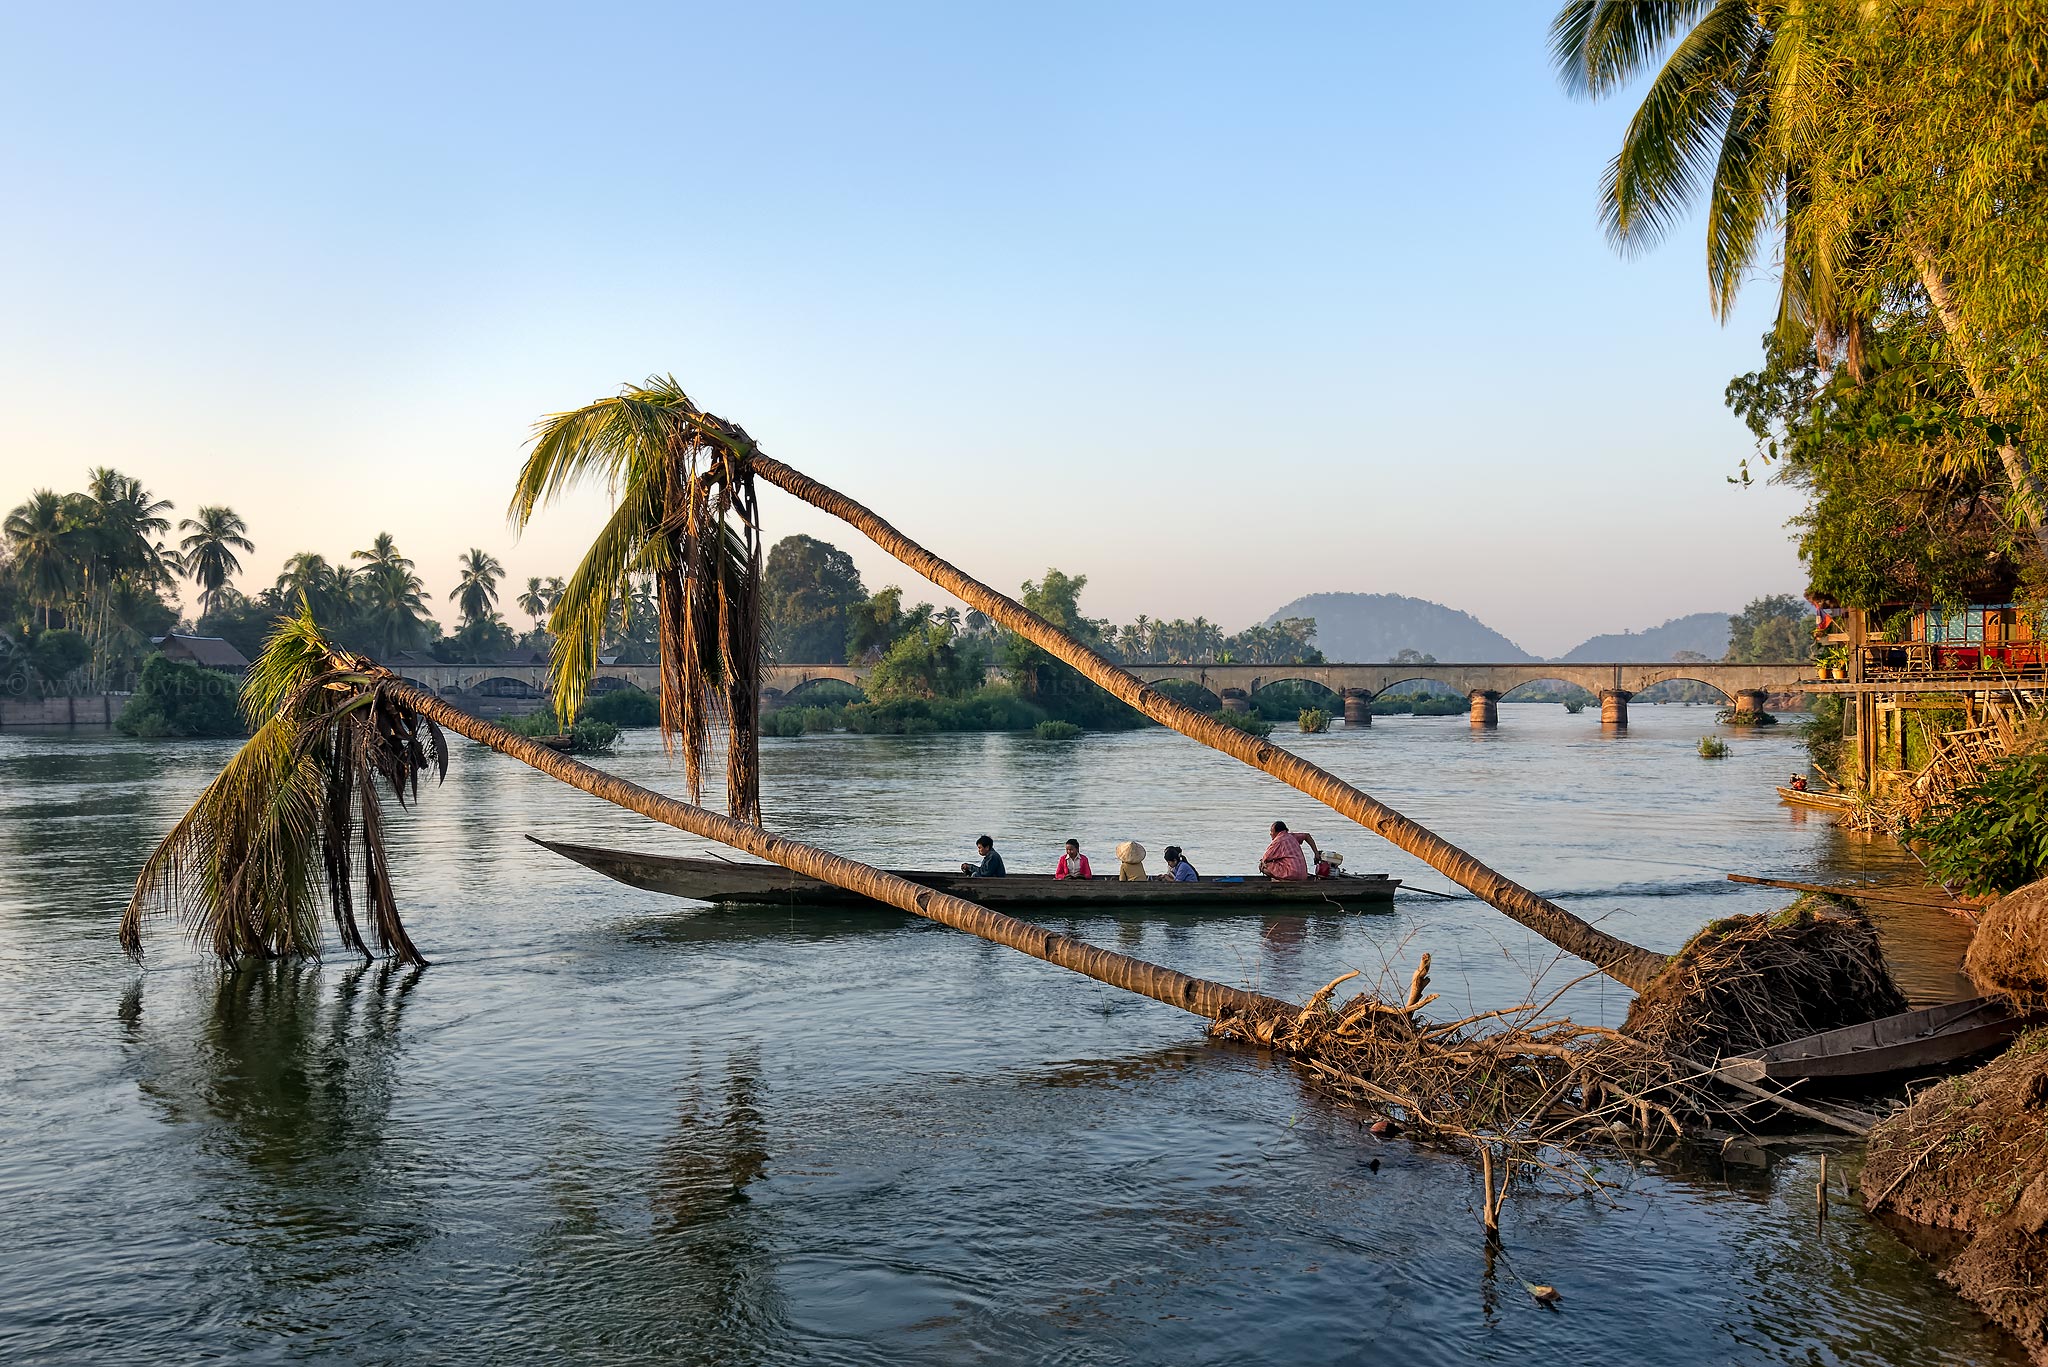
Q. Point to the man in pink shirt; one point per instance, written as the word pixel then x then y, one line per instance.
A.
pixel 1283 858
pixel 1073 864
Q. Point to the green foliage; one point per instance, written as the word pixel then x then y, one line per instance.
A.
pixel 1056 730
pixel 1289 641
pixel 585 736
pixel 1822 730
pixel 1575 705
pixel 623 707
pixel 803 721
pixel 176 699
pixel 1287 699
pixel 481 639
pixel 1249 722
pixel 1771 630
pixel 809 590
pixel 879 621
pixel 1420 704
pixel 993 708
pixel 1188 693
pixel 54 656
pixel 1313 721
pixel 1728 716
pixel 1049 684
pixel 1713 747
pixel 1993 837
pixel 931 661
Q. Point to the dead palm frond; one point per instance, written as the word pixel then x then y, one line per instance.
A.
pixel 684 513
pixel 283 825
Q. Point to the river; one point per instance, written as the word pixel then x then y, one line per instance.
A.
pixel 608 1126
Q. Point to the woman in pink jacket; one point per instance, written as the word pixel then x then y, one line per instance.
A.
pixel 1073 864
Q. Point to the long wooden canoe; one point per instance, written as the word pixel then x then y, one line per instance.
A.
pixel 738 883
pixel 1927 1038
pixel 1819 802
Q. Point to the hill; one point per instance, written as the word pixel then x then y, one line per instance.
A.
pixel 1704 633
pixel 1363 628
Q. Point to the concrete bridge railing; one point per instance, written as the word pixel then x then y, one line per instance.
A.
pixel 1746 686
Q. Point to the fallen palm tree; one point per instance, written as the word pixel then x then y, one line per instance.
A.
pixel 294 821
pixel 649 437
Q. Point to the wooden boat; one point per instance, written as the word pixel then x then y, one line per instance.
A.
pixel 1819 802
pixel 1928 1038
pixel 737 883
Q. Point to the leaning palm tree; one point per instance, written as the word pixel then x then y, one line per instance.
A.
pixel 295 822
pixel 684 515
pixel 1737 115
pixel 661 407
pixel 214 537
pixel 475 594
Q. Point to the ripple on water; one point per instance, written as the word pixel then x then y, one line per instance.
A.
pixel 607 1126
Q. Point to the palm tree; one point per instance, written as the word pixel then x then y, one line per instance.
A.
pixel 214 537
pixel 1730 117
pixel 389 597
pixel 277 831
pixel 308 578
pixel 684 514
pixel 534 602
pixel 48 554
pixel 662 408
pixel 383 552
pixel 476 592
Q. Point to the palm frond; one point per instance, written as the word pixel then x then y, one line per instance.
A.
pixel 684 514
pixel 1675 139
pixel 246 868
pixel 1597 45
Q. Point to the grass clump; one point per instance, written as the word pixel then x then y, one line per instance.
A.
pixel 1713 747
pixel 1313 721
pixel 1054 729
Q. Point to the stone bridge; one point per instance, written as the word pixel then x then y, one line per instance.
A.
pixel 1484 685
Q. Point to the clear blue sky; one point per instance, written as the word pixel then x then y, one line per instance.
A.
pixel 1217 305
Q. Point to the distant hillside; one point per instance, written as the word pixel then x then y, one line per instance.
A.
pixel 1705 633
pixel 1365 628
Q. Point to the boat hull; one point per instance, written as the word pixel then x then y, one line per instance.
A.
pixel 734 883
pixel 1929 1038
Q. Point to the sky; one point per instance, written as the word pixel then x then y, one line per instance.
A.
pixel 1217 305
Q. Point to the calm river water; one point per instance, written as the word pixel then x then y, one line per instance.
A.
pixel 611 1127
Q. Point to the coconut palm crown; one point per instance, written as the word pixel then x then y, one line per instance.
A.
pixel 684 513
pixel 212 538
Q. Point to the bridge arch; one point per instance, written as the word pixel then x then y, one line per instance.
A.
pixel 502 686
pixel 1727 695
pixel 804 688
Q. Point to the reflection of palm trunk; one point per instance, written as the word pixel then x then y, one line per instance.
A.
pixel 1198 995
pixel 1627 963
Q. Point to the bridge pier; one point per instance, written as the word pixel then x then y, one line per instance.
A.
pixel 1614 707
pixel 1750 701
pixel 1236 700
pixel 1485 707
pixel 1357 707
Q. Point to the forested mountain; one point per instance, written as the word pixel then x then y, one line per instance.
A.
pixel 1703 633
pixel 1361 628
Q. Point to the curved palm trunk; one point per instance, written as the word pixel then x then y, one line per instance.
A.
pixel 1626 963
pixel 2031 496
pixel 1211 1000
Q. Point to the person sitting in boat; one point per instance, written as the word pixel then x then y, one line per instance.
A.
pixel 1283 859
pixel 1130 862
pixel 991 865
pixel 1798 783
pixel 1178 869
pixel 1073 864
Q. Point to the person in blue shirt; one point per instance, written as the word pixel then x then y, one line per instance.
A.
pixel 1178 869
pixel 991 865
